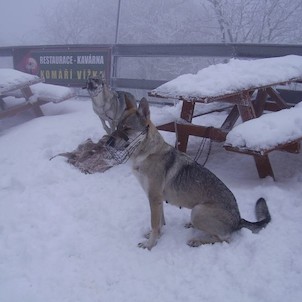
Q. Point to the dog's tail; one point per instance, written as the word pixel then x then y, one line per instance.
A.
pixel 263 217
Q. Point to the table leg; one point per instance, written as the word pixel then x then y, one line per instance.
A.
pixel 186 114
pixel 37 110
pixel 2 104
pixel 260 102
pixel 262 162
pixel 263 166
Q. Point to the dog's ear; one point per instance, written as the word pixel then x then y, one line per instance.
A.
pixel 129 103
pixel 143 108
pixel 103 76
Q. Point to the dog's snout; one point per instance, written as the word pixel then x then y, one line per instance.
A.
pixel 111 141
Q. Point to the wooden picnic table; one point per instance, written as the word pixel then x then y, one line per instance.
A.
pixel 250 87
pixel 11 81
pixel 30 89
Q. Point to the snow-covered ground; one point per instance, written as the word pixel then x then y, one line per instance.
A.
pixel 67 236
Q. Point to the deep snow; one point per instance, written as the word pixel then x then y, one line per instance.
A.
pixel 233 76
pixel 67 236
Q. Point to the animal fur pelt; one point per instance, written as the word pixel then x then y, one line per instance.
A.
pixel 90 157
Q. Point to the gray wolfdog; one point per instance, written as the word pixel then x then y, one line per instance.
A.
pixel 107 104
pixel 168 174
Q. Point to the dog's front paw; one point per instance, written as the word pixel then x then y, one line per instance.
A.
pixel 146 245
pixel 188 225
pixel 147 235
pixel 194 242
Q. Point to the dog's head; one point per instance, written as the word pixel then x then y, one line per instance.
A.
pixel 131 131
pixel 95 84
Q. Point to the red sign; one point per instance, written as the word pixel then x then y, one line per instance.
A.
pixel 66 66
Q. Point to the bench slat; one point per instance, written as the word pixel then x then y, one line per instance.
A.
pixel 292 147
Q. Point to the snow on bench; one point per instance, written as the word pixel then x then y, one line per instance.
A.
pixel 50 93
pixel 266 133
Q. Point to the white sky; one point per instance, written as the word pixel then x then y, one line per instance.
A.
pixel 20 19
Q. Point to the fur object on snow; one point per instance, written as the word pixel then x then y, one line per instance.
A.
pixel 90 157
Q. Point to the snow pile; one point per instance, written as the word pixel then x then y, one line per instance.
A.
pixel 236 75
pixel 51 93
pixel 10 78
pixel 66 236
pixel 269 130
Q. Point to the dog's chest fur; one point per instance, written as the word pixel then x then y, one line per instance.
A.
pixel 106 107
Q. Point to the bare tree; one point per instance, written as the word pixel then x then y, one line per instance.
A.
pixel 258 21
pixel 173 21
pixel 79 21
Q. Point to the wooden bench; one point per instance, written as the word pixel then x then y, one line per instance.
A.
pixel 30 90
pixel 281 130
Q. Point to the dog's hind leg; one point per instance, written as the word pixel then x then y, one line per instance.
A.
pixel 216 225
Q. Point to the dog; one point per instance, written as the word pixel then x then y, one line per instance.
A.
pixel 167 174
pixel 107 104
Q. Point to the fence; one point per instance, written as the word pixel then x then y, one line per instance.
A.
pixel 128 60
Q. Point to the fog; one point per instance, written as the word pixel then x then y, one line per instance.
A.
pixel 20 21
pixel 142 21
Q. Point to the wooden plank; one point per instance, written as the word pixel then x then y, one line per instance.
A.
pixel 291 147
pixel 187 111
pixel 26 92
pixel 15 109
pixel 170 127
pixel 259 103
pixel 277 98
pixel 231 119
pixel 213 133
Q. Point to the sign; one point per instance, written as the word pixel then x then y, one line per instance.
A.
pixel 64 66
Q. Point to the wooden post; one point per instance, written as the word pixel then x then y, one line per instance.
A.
pixel 262 162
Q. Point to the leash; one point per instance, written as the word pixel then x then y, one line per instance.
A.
pixel 201 146
pixel 201 150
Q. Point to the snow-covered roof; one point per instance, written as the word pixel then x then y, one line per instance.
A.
pixel 11 79
pixel 229 78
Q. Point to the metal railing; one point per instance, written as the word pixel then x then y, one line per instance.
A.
pixel 215 50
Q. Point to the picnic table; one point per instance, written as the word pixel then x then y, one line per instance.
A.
pixel 29 88
pixel 250 87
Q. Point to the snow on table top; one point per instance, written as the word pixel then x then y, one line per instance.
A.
pixel 221 79
pixel 11 78
pixel 269 130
